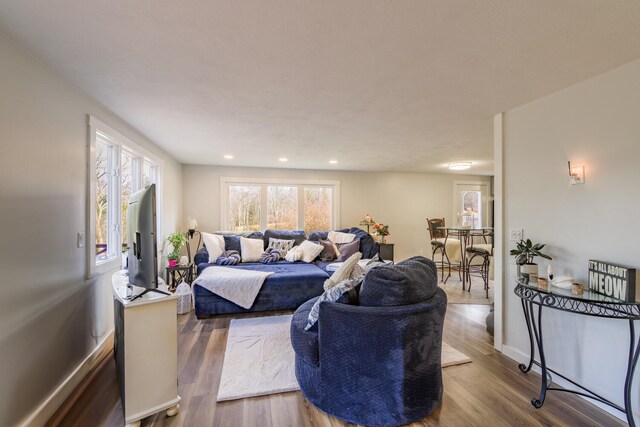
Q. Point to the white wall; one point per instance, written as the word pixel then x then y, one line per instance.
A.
pixel 597 124
pixel 402 200
pixel 51 318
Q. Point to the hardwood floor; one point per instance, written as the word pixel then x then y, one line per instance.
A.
pixel 490 391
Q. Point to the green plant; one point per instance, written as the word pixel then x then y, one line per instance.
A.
pixel 177 240
pixel 526 251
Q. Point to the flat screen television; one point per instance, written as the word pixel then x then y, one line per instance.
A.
pixel 142 257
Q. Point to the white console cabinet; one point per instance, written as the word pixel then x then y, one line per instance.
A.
pixel 146 351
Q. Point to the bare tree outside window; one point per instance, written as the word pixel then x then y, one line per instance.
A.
pixel 317 208
pixel 472 206
pixel 282 208
pixel 244 207
pixel 126 189
pixel 102 199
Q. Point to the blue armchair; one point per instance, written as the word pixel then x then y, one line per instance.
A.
pixel 376 363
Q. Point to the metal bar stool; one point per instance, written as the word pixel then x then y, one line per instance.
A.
pixel 483 250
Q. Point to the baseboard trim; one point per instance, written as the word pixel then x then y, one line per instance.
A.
pixel 62 398
pixel 521 357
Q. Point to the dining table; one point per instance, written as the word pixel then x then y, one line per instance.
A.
pixel 459 250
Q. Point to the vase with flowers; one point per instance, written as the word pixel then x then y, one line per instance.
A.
pixel 382 231
pixel 368 221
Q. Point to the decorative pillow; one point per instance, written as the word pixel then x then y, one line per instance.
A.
pixel 348 249
pixel 373 262
pixel 294 254
pixel 411 281
pixel 357 270
pixel 270 255
pixel 310 251
pixel 283 246
pixel 214 244
pixel 329 250
pixel 332 295
pixel 251 249
pixel 298 236
pixel 344 272
pixel 228 258
pixel 340 237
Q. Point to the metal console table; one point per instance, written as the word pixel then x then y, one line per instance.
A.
pixel 590 304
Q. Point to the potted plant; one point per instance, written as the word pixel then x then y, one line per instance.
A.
pixel 177 240
pixel 382 231
pixel 525 253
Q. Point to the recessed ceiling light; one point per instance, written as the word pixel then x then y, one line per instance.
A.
pixel 283 159
pixel 228 156
pixel 333 162
pixel 459 166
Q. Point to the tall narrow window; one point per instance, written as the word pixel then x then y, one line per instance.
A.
pixel 282 207
pixel 118 167
pixel 472 208
pixel 317 208
pixel 103 205
pixel 244 207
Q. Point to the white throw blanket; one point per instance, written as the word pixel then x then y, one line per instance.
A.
pixel 236 285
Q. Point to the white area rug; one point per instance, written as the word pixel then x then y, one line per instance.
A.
pixel 259 358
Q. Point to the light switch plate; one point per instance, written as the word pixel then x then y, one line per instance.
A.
pixel 515 235
pixel 80 240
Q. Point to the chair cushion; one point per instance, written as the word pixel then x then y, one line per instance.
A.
pixel 409 282
pixel 305 343
pixel 480 249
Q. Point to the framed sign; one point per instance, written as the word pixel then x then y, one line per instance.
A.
pixel 614 280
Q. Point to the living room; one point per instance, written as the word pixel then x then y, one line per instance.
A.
pixel 549 83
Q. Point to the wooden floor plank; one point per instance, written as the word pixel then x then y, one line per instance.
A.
pixel 489 391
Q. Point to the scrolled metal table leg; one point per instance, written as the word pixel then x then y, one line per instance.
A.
pixel 537 330
pixel 527 317
pixel 634 352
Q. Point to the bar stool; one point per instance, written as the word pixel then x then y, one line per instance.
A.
pixel 483 250
pixel 439 240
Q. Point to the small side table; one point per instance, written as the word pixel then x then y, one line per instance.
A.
pixel 386 251
pixel 174 275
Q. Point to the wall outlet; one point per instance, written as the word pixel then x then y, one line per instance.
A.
pixel 80 239
pixel 515 235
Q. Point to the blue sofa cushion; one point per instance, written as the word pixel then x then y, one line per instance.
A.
pixel 305 342
pixel 323 235
pixel 408 282
pixel 298 236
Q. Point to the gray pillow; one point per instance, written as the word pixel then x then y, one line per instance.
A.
pixel 348 249
pixel 329 250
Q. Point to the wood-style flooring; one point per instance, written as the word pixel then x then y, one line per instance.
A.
pixel 490 391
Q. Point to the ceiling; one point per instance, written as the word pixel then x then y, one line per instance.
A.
pixel 376 85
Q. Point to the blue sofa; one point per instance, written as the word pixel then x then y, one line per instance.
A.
pixel 291 285
pixel 396 381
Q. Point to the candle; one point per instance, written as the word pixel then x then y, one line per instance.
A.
pixel 550 272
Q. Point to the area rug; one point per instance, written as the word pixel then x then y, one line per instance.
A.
pixel 455 294
pixel 259 359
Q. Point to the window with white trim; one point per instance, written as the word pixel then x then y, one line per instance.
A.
pixel 117 168
pixel 258 204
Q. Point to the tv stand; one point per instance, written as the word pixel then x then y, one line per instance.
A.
pixel 145 350
pixel 143 293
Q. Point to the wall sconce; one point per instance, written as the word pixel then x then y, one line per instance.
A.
pixel 576 174
pixel 192 227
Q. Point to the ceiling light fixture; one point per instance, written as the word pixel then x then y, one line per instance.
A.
pixel 459 166
pixel 283 159
pixel 333 162
pixel 228 156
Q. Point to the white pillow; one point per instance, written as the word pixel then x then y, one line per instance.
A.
pixel 310 250
pixel 338 237
pixel 294 254
pixel 214 244
pixel 251 249
pixel 344 272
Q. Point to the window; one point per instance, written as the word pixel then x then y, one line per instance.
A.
pixel 472 208
pixel 258 204
pixel 117 168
